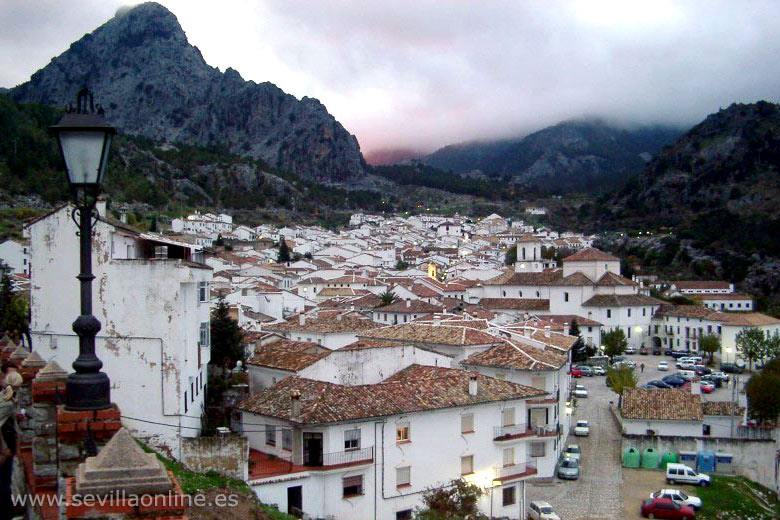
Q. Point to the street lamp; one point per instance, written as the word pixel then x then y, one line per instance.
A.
pixel 85 140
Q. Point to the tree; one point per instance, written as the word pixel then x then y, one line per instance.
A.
pixel 762 397
pixel 772 348
pixel 621 378
pixel 226 338
pixel 284 252
pixel 710 343
pixel 615 342
pixel 386 298
pixel 750 344
pixel 580 351
pixel 401 265
pixel 455 502
pixel 14 307
pixel 511 256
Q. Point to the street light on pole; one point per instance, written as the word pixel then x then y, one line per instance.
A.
pixel 84 139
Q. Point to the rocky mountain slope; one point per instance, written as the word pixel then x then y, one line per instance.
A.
pixel 153 83
pixel 585 155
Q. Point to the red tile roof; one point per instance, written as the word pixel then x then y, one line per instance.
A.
pixel 288 355
pixel 590 254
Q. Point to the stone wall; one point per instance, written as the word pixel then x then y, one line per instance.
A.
pixel 753 459
pixel 227 455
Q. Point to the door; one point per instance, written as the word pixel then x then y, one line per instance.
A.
pixel 312 449
pixel 295 501
pixel 538 417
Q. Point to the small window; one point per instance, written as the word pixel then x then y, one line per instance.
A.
pixel 185 402
pixel 565 296
pixel 508 417
pixel 406 514
pixel 287 440
pixel 467 423
pixel 509 456
pixel 403 476
pixel 203 291
pixel 609 313
pixel 537 449
pixel 508 496
pixel 205 334
pixel 629 313
pixel 353 486
pixel 270 435
pixel 467 465
pixel 352 439
pixel 402 433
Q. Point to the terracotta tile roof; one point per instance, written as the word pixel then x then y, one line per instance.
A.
pixel 575 279
pixel 620 300
pixel 747 319
pixel 723 296
pixel 341 291
pixel 701 284
pixel 428 333
pixel 610 279
pixel 327 323
pixel 411 306
pixel 288 355
pixel 726 408
pixel 516 304
pixel 352 279
pixel 687 311
pixel 414 389
pixel 591 254
pixel 515 355
pixel 362 344
pixel 423 291
pixel 661 405
pixel 510 277
pixel 567 318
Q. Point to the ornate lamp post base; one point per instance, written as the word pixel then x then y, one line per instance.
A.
pixel 90 391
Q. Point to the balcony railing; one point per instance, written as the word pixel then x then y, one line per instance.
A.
pixel 340 458
pixel 523 430
pixel 755 433
pixel 522 469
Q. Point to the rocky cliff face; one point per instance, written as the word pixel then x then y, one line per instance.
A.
pixel 586 155
pixel 153 83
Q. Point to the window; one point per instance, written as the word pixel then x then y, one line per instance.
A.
pixel 402 432
pixel 205 334
pixel 565 296
pixel 509 457
pixel 521 293
pixel 352 439
pixel 508 417
pixel 537 449
pixel 287 440
pixel 192 391
pixel 270 435
pixel 467 465
pixel 406 514
pixel 644 311
pixel 403 476
pixel 508 496
pixel 629 332
pixel 185 402
pixel 353 486
pixel 537 294
pixel 203 291
pixel 467 423
pixel 629 313
pixel 609 313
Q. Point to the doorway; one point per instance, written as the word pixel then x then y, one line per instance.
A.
pixel 312 449
pixel 295 501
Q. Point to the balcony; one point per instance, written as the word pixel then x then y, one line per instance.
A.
pixel 517 431
pixel 264 465
pixel 515 471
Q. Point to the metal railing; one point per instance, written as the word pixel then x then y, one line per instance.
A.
pixel 528 467
pixel 339 458
pixel 523 429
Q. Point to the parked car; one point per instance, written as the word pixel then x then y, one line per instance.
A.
pixel 696 359
pixel 581 393
pixel 657 351
pixel 649 386
pixel 673 381
pixel 659 384
pixel 721 376
pixel 679 497
pixel 702 370
pixel 569 469
pixel 684 474
pixel 575 372
pixel 677 354
pixel 573 451
pixel 666 508
pixel 663 366
pixel 629 351
pixel 714 380
pixel 685 365
pixel 539 510
pixel 599 371
pixel 731 368
pixel 586 371
pixel 688 375
pixel 582 429
pixel 668 352
pixel 644 351
pixel 618 359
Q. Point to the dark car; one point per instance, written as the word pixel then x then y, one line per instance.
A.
pixel 643 351
pixel 656 351
pixel 718 382
pixel 666 508
pixel 677 354
pixel 659 384
pixel 701 370
pixel 673 381
pixel 629 351
pixel 731 368
pixel 668 352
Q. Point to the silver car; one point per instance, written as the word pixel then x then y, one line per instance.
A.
pixel 572 451
pixel 569 469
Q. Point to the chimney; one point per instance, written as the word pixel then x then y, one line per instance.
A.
pixel 100 206
pixel 408 303
pixel 123 216
pixel 338 317
pixel 473 384
pixel 436 320
pixel 295 409
pixel 526 332
pixel 546 331
pixel 302 319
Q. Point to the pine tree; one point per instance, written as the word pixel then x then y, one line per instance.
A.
pixel 580 350
pixel 284 252
pixel 226 337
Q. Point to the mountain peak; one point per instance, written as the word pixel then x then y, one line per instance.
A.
pixel 153 82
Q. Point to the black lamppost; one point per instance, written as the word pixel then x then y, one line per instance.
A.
pixel 85 140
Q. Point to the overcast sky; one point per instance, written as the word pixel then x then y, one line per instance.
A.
pixel 423 73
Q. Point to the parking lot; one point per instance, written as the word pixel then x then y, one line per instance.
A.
pixel 604 490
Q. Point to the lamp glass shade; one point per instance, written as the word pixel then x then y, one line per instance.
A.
pixel 86 154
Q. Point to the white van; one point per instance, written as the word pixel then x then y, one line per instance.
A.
pixel 685 475
pixel 690 374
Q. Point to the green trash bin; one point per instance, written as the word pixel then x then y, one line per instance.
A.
pixel 650 458
pixel 668 457
pixel 631 458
